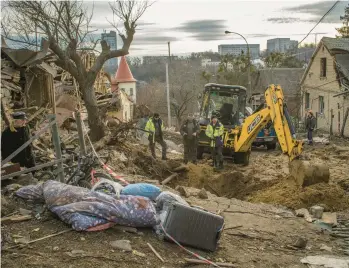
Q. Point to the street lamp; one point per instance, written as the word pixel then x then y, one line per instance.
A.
pixel 249 61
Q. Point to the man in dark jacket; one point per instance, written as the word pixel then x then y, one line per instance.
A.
pixel 310 123
pixel 12 140
pixel 190 129
pixel 155 128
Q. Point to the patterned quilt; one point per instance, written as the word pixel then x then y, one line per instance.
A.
pixel 87 210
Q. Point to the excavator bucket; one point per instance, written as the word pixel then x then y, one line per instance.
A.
pixel 306 173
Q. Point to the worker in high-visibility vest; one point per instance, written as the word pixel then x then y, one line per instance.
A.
pixel 215 132
pixel 155 128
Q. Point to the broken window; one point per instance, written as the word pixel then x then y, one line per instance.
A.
pixel 323 67
pixel 307 100
pixel 321 104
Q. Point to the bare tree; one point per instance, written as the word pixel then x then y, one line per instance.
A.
pixel 185 84
pixel 65 25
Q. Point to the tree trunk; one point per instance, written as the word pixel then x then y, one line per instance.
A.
pixel 344 121
pixel 94 118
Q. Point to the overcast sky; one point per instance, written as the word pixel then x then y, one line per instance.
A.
pixel 194 26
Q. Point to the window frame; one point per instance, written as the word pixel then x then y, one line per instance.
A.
pixel 321 107
pixel 323 67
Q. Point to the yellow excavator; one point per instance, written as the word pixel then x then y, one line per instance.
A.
pixel 239 130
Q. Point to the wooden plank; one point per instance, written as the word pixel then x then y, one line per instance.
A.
pixel 16 218
pixel 220 264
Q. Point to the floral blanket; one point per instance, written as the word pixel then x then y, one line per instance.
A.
pixel 87 210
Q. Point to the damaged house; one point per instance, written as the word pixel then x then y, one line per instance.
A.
pixel 325 86
pixel 27 77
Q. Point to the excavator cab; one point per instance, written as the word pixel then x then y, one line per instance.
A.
pixel 228 103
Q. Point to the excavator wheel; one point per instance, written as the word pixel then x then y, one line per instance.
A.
pixel 242 158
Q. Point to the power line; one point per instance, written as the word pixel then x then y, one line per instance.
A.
pixel 324 16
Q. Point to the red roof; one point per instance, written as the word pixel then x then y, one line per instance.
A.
pixel 123 74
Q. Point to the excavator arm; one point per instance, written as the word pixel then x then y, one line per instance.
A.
pixel 276 111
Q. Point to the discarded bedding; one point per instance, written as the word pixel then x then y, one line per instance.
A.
pixel 142 189
pixel 85 210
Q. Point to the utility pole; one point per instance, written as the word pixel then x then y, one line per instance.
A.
pixel 168 88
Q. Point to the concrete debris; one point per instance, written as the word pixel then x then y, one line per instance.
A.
pixel 316 211
pixel 326 248
pixel 326 261
pixel 300 242
pixel 182 191
pixel 122 244
pixel 203 194
pixel 303 212
pixel 322 140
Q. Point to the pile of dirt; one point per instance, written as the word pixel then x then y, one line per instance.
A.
pixel 231 184
pixel 288 194
pixel 8 206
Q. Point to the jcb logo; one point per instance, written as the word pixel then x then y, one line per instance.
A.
pixel 253 124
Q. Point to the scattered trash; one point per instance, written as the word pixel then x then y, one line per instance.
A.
pixel 108 187
pixel 36 230
pixel 122 244
pixel 329 218
pixel 316 211
pixel 82 238
pixel 137 253
pixel 55 248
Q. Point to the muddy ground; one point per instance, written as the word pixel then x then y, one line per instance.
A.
pixel 257 203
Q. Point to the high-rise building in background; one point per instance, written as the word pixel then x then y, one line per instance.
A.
pixel 282 45
pixel 111 65
pixel 238 49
